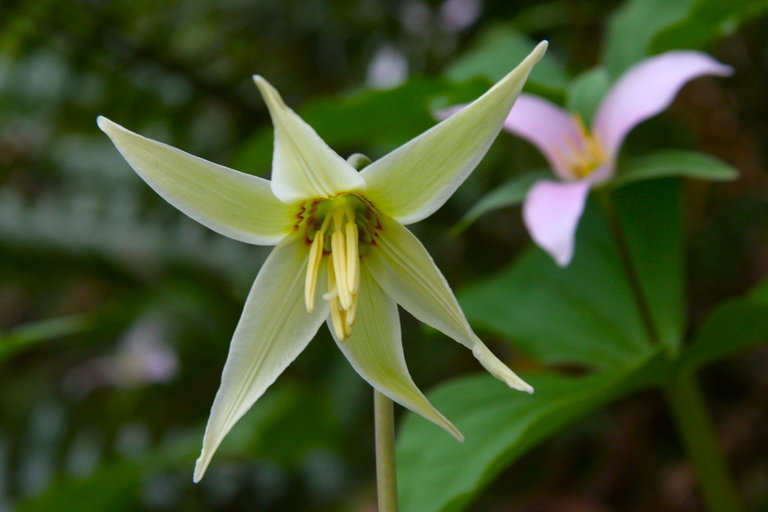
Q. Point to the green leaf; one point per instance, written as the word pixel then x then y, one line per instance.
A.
pixel 28 335
pixel 651 217
pixel 498 50
pixel 708 20
pixel 674 163
pixel 436 473
pixel 734 326
pixel 115 487
pixel 510 193
pixel 586 313
pixel 586 92
pixel 633 27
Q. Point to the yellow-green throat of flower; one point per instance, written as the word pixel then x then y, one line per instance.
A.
pixel 340 230
pixel 587 154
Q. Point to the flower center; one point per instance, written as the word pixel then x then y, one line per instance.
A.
pixel 339 229
pixel 586 154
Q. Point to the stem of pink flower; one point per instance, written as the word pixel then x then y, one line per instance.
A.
pixel 386 473
pixel 700 439
pixel 683 394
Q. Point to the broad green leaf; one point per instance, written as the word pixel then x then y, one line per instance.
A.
pixel 30 334
pixel 734 326
pixel 707 21
pixel 651 217
pixel 510 193
pixel 586 92
pixel 498 50
pixel 583 314
pixel 435 473
pixel 633 27
pixel 586 313
pixel 667 163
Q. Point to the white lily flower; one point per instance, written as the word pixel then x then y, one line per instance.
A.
pixel 342 253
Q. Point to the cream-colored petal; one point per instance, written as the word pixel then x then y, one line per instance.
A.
pixel 407 273
pixel 303 166
pixel 273 329
pixel 375 350
pixel 235 204
pixel 417 178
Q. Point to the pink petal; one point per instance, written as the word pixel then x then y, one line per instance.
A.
pixel 647 89
pixel 551 213
pixel 548 127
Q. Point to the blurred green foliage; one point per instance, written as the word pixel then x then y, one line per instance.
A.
pixel 116 311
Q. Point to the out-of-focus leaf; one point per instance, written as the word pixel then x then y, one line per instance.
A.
pixel 633 27
pixel 586 312
pixel 586 92
pixel 708 20
pixel 116 487
pixel 31 334
pixel 364 120
pixel 510 193
pixel 498 50
pixel 436 473
pixel 732 327
pixel 651 217
pixel 667 163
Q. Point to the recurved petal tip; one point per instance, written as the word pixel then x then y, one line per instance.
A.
pixel 200 467
pixel 498 369
pixel 105 124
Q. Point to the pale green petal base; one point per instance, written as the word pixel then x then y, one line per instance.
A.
pixel 375 351
pixel 406 271
pixel 273 329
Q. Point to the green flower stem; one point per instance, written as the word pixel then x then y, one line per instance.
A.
pixel 386 474
pixel 698 434
pixel 683 394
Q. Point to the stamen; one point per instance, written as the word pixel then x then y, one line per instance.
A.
pixel 336 314
pixel 351 313
pixel 338 252
pixel 353 259
pixel 313 267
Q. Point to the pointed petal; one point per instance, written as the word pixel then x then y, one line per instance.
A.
pixel 303 165
pixel 235 204
pixel 647 89
pixel 375 350
pixel 413 181
pixel 551 212
pixel 548 127
pixel 406 272
pixel 273 329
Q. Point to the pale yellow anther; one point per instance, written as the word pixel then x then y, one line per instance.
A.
pixel 313 268
pixel 350 315
pixel 337 316
pixel 343 267
pixel 338 254
pixel 353 259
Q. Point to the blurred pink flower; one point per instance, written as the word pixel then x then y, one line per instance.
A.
pixel 582 157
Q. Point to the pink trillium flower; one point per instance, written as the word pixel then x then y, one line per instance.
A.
pixel 582 157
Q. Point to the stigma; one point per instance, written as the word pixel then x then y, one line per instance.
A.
pixel 333 231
